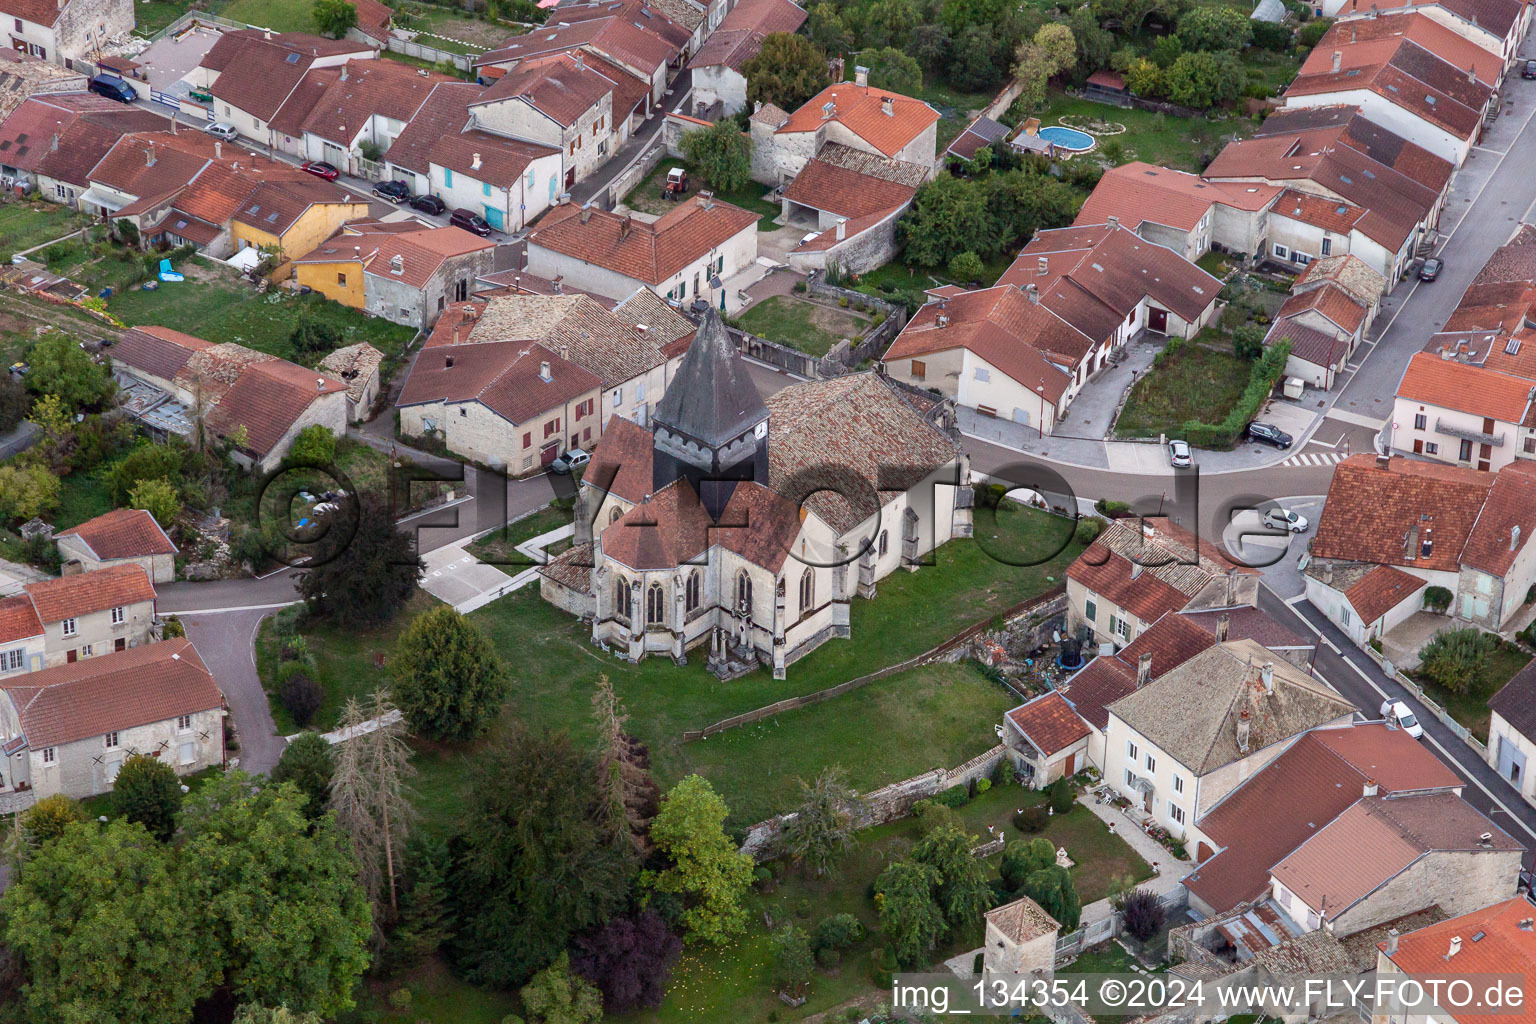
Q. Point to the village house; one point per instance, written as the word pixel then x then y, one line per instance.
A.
pixel 1496 26
pixel 124 536
pixel 510 182
pixel 367 103
pixel 719 83
pixel 1332 303
pixel 53 141
pixel 1469 397
pixel 21 635
pixel 688 536
pixel 72 33
pixel 1023 349
pixel 1499 939
pixel 177 384
pixel 23 76
pixel 682 255
pixel 357 366
pixel 403 271
pixel 1047 739
pixel 635 36
pixel 69 728
pixel 88 614
pixel 1020 939
pixel 1511 747
pixel 854 199
pixel 1461 529
pixel 1180 210
pixel 852 114
pixel 1169 642
pixel 1363 815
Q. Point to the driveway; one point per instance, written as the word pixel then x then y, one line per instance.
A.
pixel 226 641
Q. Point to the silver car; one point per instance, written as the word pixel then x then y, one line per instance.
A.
pixel 1285 519
pixel 1179 455
pixel 223 130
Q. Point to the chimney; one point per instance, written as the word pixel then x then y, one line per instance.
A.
pixel 343 72
pixel 357 252
pixel 1223 627
pixel 544 371
pixel 1455 946
pixel 1231 586
pixel 397 264
pixel 888 106
pixel 1392 934
pixel 1351 33
pixel 53 143
pixel 942 320
pixel 757 105
pixel 1514 537
pixel 1043 266
pixel 557 284
pixel 474 161
pixel 706 200
pixel 456 328
pixel 266 33
pixel 1370 788
pixel 1267 674
pixel 1338 59
pixel 319 383
pixel 1472 75
pixel 1033 292
pixel 1243 727
pixel 565 351
pixel 1143 670
pixel 218 149
pixel 1383 461
pixel 448 362
pixel 1327 574
pixel 586 214
pixel 842 228
pixel 1112 220
pixel 624 224
pixel 149 157
pixel 860 76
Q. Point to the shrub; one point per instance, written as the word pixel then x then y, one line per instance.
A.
pixel 1087 530
pixel 1248 342
pixel 882 966
pixel 301 696
pixel 1313 31
pixel 965 267
pixel 982 785
pixel 315 446
pixel 400 1000
pixel 837 933
pixel 799 287
pixel 1438 599
pixel 1062 797
pixel 1032 819
pixel 954 796
pixel 1111 509
pixel 1458 659
pixel 1143 915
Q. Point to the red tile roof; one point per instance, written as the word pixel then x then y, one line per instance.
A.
pixel 369 88
pixel 740 36
pixel 840 190
pixel 39 12
pixel 1138 192
pixel 1050 723
pixel 1494 16
pixel 422 250
pixel 1318 211
pixel 633 34
pixel 18 619
pixel 1381 590
pixel 1116 579
pixel 444 113
pixel 1171 641
pixel 1386 515
pixel 1414 26
pixel 259 76
pixel 86 592
pixel 860 109
pixel 503 376
pixel 1507 521
pixel 1451 384
pixel 622 462
pixel 649 253
pixel 373 19
pixel 1295 796
pixel 561 87
pixel 1101 682
pixel 1507 946
pixel 1376 752
pixel 1307 343
pixel 1332 302
pixel 1409 77
pixel 629 90
pixel 122 533
pixel 140 686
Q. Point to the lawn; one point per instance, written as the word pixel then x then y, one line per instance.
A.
pixel 956 110
pixel 500 546
pixel 24 224
pixel 215 303
pixel 450 31
pixel 1193 382
pixel 1181 143
pixel 1471 708
pixel 277 15
pixel 150 16
pixel 808 326
pixel 646 196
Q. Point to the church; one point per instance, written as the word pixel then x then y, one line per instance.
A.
pixel 745 527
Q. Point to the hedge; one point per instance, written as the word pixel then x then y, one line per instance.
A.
pixel 1261 381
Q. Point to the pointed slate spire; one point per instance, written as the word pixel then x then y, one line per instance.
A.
pixel 711 402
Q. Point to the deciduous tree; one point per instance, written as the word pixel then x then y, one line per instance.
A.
pixel 705 870
pixel 14 402
pixel 334 17
pixel 314 446
pixel 1052 888
pixel 947 216
pixel 59 366
pixel 722 154
pixel 1204 79
pixel 148 791
pixel 449 681
pixel 27 491
pixel 1023 858
pixel 890 68
pixel 159 498
pixel 910 918
pixel 1048 54
pixel 556 996
pixel 1215 28
pixel 629 959
pixel 787 71
pixel 792 963
pixel 962 891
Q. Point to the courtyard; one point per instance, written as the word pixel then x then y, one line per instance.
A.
pixel 811 327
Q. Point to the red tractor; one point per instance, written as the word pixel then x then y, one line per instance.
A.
pixel 676 186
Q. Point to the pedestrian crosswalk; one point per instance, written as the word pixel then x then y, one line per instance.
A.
pixel 1315 459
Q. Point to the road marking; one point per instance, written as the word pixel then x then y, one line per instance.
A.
pixel 1315 459
pixel 1330 645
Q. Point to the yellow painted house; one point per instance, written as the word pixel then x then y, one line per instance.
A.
pixel 295 216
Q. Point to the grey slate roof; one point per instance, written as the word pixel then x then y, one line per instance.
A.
pixel 711 399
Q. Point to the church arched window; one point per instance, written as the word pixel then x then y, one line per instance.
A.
pixel 807 591
pixel 744 591
pixel 691 592
pixel 621 598
pixel 655 605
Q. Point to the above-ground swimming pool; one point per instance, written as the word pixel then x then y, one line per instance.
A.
pixel 1067 138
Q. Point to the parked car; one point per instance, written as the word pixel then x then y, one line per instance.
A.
pixel 428 204
pixel 570 460
pixel 1431 269
pixel 1270 434
pixel 470 221
pixel 320 169
pixel 1285 519
pixel 1179 455
pixel 1529 70
pixel 394 191
pixel 113 88
pixel 222 130
pixel 1396 709
pixel 810 237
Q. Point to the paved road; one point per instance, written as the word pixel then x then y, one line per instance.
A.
pixel 1359 680
pixel 226 642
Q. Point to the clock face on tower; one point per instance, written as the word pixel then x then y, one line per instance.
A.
pixel 761 430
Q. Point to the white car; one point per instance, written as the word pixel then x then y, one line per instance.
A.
pixel 1285 519
pixel 222 130
pixel 813 235
pixel 1398 710
pixel 1179 455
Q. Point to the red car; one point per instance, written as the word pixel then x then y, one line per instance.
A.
pixel 320 169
